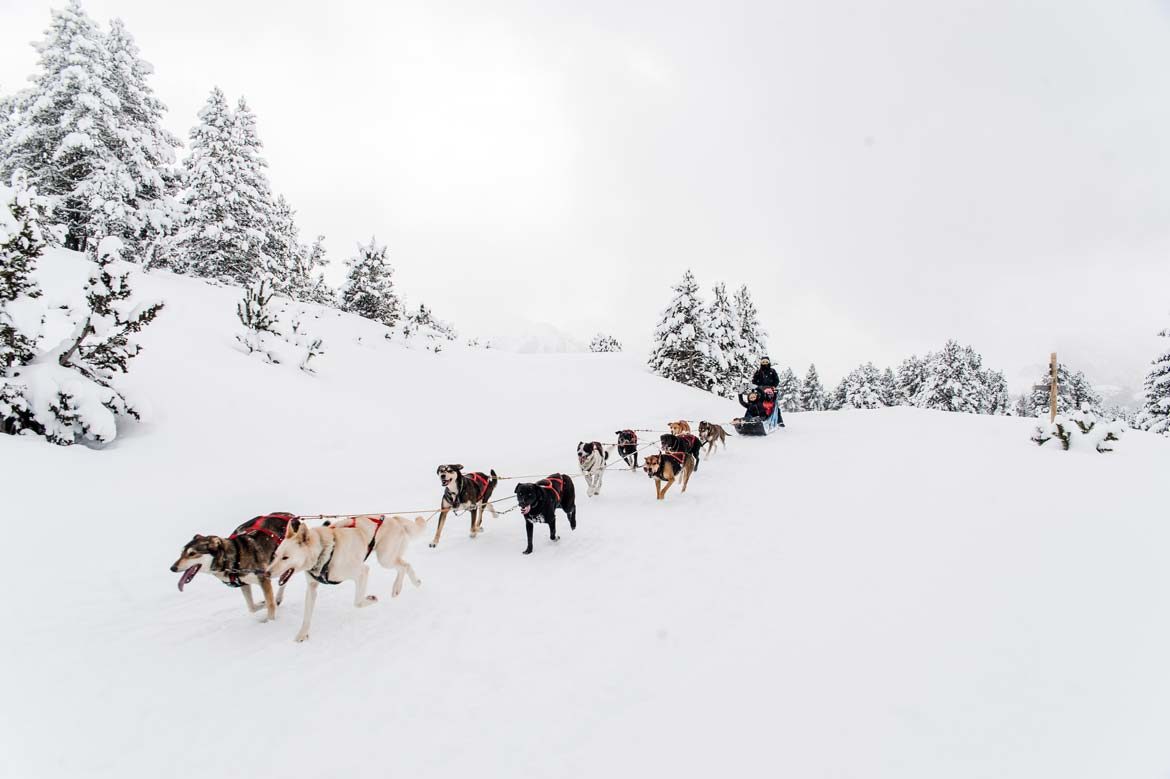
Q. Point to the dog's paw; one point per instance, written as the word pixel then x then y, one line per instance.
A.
pixel 432 546
pixel 527 551
pixel 369 601
pixel 301 637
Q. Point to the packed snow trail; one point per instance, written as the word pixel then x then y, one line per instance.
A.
pixel 895 593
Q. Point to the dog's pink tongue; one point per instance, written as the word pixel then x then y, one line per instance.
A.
pixel 284 577
pixel 188 575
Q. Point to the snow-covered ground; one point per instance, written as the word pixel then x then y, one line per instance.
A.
pixel 895 593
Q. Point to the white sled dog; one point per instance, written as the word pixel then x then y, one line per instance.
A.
pixel 333 554
pixel 592 457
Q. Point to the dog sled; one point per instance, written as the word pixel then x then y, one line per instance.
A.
pixel 761 425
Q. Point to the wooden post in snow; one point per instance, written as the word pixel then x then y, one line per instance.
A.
pixel 1052 389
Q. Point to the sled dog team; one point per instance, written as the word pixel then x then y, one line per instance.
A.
pixel 276 546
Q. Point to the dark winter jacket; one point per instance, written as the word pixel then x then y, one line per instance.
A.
pixel 755 408
pixel 766 377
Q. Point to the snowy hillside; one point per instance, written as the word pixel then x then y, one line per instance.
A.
pixel 892 593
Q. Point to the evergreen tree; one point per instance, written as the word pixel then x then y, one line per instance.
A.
pixel 64 129
pixel 231 225
pixel 145 206
pixel 909 380
pixel 812 393
pixel 788 391
pixel 1155 413
pixel 23 220
pixel 953 381
pixel 1024 407
pixel 722 326
pixel 605 343
pixel 889 388
pixel 999 399
pixel 862 388
pixel 369 288
pixel 1073 391
pixel 753 338
pixel 680 344
pixel 306 280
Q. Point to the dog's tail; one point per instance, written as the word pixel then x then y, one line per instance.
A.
pixel 494 480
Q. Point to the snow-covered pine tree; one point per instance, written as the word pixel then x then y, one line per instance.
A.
pixel 753 337
pixel 1073 391
pixel 1155 413
pixel 306 280
pixel 721 324
pixel 863 388
pixel 369 289
pixel 889 388
pixel 953 381
pixel 23 228
pixel 999 400
pixel 910 378
pixel 1023 406
pixel 142 206
pixel 835 400
pixel 812 393
pixel 788 391
pixel 65 126
pixel 227 232
pixel 680 343
pixel 100 348
pixel 260 318
pixel 603 342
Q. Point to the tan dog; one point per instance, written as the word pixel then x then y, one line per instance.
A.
pixel 666 468
pixel 338 553
pixel 681 427
pixel 711 434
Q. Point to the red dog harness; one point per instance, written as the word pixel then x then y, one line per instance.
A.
pixel 688 440
pixel 480 480
pixel 678 457
pixel 377 526
pixel 556 491
pixel 257 525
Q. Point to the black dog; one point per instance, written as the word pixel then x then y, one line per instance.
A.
pixel 628 447
pixel 539 502
pixel 686 443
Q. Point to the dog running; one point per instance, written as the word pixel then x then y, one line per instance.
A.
pixel 665 468
pixel 333 554
pixel 465 492
pixel 712 434
pixel 627 447
pixel 592 457
pixel 240 560
pixel 682 442
pixel 540 500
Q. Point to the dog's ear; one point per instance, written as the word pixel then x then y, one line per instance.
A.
pixel 290 529
pixel 517 490
pixel 456 467
pixel 215 542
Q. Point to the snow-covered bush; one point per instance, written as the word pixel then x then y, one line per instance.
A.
pixel 605 343
pixel 1081 430
pixel 422 328
pixel 274 329
pixel 63 388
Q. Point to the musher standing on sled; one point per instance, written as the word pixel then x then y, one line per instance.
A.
pixel 765 375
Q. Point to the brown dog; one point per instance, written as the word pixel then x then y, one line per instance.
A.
pixel 465 492
pixel 681 427
pixel 666 468
pixel 711 434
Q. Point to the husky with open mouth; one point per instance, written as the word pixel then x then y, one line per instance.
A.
pixel 333 554
pixel 240 560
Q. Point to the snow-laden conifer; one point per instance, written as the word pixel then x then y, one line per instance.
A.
pixel 788 391
pixel 724 343
pixel 812 392
pixel 369 287
pixel 680 351
pixel 603 342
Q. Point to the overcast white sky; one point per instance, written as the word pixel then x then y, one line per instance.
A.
pixel 884 175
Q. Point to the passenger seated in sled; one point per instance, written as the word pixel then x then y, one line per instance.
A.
pixel 761 404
